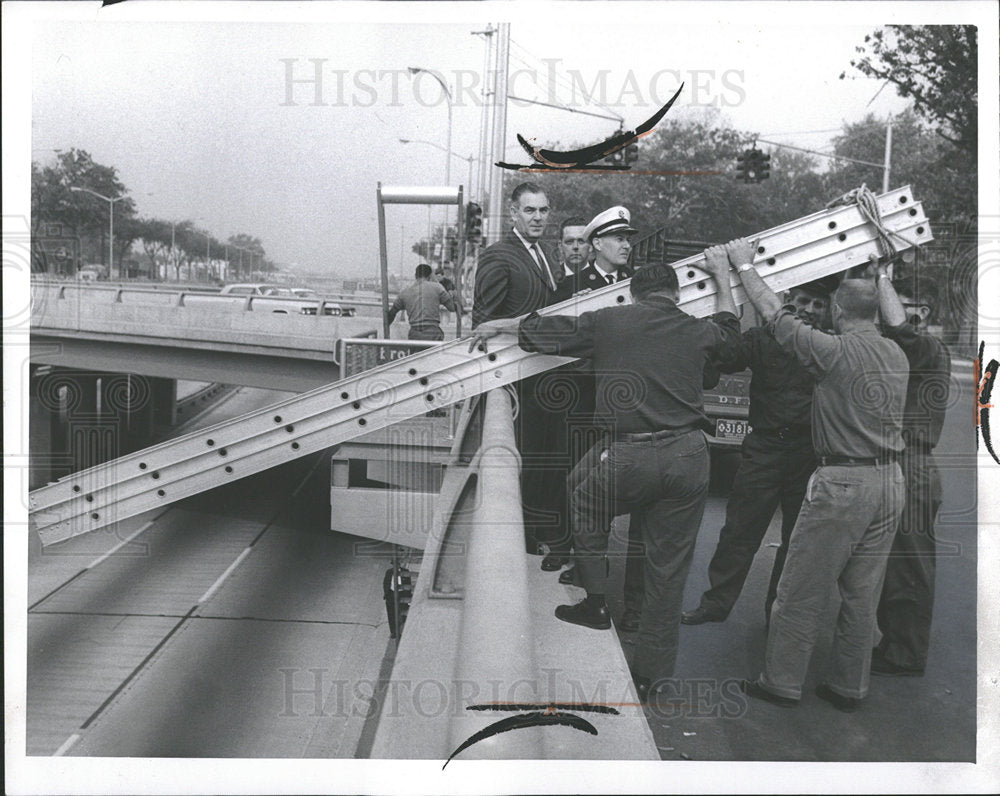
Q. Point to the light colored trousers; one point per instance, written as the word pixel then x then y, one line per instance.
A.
pixel 842 536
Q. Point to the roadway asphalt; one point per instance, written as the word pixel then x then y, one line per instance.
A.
pixel 233 624
pixel 932 718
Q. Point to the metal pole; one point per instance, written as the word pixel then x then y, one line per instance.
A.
pixel 499 132
pixel 383 262
pixel 888 156
pixel 459 265
pixel 111 241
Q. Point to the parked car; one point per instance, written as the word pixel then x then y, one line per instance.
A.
pixel 308 292
pixel 285 300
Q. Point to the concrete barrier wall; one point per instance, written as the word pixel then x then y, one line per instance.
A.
pixel 481 631
pixel 201 321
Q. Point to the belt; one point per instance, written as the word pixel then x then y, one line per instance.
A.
pixel 650 436
pixel 855 461
pixel 786 432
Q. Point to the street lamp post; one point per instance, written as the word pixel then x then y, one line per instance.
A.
pixel 414 70
pixel 111 223
pixel 448 152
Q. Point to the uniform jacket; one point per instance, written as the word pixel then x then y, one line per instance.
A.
pixel 509 283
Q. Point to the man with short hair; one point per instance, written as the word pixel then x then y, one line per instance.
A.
pixel 422 301
pixel 776 458
pixel 611 243
pixel 574 250
pixel 654 460
pixel 853 500
pixel 516 276
pixel 907 602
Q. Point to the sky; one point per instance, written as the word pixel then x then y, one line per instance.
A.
pixel 202 123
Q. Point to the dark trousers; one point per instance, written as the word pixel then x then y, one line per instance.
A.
pixel 773 471
pixel 907 602
pixel 541 432
pixel 425 333
pixel 635 550
pixel 663 484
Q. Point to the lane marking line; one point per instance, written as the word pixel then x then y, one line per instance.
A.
pixel 120 545
pixel 219 581
pixel 67 744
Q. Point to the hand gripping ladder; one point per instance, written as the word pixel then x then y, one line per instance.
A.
pixel 788 255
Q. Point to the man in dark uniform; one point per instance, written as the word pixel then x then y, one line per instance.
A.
pixel 611 243
pixel 776 458
pixel 904 612
pixel 648 359
pixel 515 276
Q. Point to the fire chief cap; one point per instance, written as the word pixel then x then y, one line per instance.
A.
pixel 614 219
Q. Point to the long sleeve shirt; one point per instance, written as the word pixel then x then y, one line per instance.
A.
pixel 648 359
pixel 781 388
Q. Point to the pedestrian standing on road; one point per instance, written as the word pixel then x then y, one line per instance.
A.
pixel 422 302
pixel 648 359
pixel 907 603
pixel 776 458
pixel 515 276
pixel 853 500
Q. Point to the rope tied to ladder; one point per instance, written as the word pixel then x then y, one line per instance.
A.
pixel 869 209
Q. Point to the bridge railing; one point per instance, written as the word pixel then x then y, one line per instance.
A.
pixel 476 646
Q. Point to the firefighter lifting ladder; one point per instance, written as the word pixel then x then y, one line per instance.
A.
pixel 791 254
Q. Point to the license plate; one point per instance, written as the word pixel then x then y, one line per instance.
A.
pixel 730 432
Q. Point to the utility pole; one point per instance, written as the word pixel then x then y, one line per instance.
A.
pixel 499 136
pixel 888 155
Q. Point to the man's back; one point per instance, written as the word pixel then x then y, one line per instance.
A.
pixel 422 301
pixel 860 388
pixel 655 381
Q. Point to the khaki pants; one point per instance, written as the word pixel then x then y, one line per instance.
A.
pixel 842 537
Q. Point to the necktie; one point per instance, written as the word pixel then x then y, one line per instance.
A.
pixel 540 259
pixel 610 278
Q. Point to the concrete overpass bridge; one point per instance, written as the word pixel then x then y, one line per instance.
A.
pixel 251 341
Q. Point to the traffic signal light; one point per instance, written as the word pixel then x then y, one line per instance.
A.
pixel 763 166
pixel 631 154
pixel 741 166
pixel 452 248
pixel 473 222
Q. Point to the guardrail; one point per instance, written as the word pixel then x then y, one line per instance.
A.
pixel 476 647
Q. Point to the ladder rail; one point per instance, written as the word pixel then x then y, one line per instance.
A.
pixel 824 243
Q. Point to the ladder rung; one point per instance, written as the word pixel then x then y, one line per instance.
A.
pixel 821 244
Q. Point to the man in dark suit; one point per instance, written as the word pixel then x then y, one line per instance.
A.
pixel 574 251
pixel 515 276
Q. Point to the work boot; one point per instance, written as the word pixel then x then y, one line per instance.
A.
pixel 589 612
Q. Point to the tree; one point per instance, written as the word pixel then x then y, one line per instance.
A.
pixel 696 197
pixel 944 178
pixel 936 66
pixel 77 214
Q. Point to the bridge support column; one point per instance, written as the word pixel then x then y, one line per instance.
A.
pixel 163 397
pixel 45 437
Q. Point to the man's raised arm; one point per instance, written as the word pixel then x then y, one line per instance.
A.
pixel 741 253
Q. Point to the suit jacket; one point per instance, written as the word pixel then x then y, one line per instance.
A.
pixel 509 283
